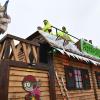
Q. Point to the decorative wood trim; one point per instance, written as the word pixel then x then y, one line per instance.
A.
pixel 2 50
pixel 6 49
pixel 34 53
pixel 38 55
pixel 19 39
pixel 25 52
pixel 15 52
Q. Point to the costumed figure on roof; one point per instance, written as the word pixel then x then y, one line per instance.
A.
pixel 64 35
pixel 47 27
pixel 4 18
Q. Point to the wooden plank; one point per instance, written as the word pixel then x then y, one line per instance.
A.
pixel 22 95
pixel 4 80
pixel 28 70
pixel 24 65
pixel 24 73
pixel 45 98
pixel 11 83
pixel 20 78
pixel 6 53
pixel 25 52
pixel 2 50
pixel 35 53
pixel 20 89
pixel 15 52
pixel 51 78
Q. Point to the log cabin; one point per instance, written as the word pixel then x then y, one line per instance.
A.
pixel 64 72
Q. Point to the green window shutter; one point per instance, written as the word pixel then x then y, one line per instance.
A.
pixel 85 79
pixel 70 78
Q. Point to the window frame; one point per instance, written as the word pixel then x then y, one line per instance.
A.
pixel 84 85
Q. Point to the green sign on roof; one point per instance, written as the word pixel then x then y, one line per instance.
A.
pixel 89 49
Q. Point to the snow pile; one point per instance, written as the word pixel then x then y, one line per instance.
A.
pixel 70 49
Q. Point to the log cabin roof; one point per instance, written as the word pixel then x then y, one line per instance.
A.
pixel 70 49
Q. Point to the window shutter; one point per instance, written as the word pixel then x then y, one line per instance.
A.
pixel 85 79
pixel 98 78
pixel 70 78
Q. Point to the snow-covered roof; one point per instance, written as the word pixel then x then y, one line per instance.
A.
pixel 70 49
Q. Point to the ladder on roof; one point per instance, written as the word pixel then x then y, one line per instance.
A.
pixel 62 86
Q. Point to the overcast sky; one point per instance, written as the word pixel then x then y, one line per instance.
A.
pixel 81 17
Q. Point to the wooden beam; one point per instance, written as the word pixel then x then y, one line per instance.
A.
pixel 34 53
pixel 6 49
pixel 20 64
pixel 38 54
pixel 2 50
pixel 4 80
pixel 14 50
pixel 93 81
pixel 25 52
pixel 19 39
pixel 51 78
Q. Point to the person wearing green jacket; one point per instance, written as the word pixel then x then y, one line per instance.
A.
pixel 47 26
pixel 63 34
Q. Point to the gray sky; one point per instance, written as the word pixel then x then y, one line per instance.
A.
pixel 81 17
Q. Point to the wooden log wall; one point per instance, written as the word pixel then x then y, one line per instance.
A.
pixel 15 89
pixel 97 90
pixel 59 62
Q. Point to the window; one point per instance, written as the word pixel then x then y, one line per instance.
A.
pixel 43 53
pixel 98 78
pixel 77 78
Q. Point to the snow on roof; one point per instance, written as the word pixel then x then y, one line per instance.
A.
pixel 70 49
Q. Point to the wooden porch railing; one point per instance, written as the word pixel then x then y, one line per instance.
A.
pixel 18 49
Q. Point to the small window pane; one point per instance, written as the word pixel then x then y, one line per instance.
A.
pixel 80 83
pixel 76 78
pixel 79 73
pixel 75 71
pixel 80 78
pixel 77 85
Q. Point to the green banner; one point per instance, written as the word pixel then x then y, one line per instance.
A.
pixel 89 48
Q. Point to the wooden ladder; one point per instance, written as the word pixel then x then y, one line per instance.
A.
pixel 62 86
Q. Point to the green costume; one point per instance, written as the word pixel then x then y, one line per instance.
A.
pixel 47 26
pixel 63 34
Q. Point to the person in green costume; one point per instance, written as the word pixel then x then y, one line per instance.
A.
pixel 47 26
pixel 63 34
